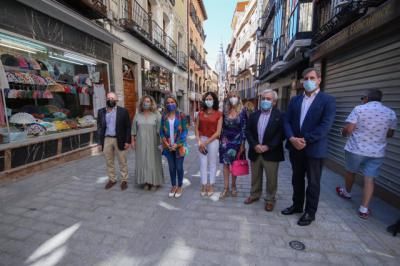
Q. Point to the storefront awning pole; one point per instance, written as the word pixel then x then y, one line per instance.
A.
pixel 5 112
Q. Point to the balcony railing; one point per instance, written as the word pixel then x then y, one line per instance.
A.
pixel 267 15
pixel 92 9
pixel 334 15
pixel 197 22
pixel 300 22
pixel 196 56
pixel 182 60
pixel 278 49
pixel 138 22
pixel 265 66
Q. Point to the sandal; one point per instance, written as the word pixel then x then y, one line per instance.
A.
pixel 171 194
pixel 234 191
pixel 203 191
pixel 210 190
pixel 224 194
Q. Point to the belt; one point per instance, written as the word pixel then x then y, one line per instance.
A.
pixel 111 136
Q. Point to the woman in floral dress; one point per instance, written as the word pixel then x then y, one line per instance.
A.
pixel 232 140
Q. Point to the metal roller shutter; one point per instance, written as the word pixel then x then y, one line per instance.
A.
pixel 374 65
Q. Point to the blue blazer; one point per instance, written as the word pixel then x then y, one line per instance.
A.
pixel 316 124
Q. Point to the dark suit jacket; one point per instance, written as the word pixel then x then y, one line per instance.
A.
pixel 316 124
pixel 122 126
pixel 273 136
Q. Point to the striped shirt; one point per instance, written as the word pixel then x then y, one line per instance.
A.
pixel 111 120
pixel 262 125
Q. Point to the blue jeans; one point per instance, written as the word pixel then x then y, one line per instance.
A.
pixel 175 168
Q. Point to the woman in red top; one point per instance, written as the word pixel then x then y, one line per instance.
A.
pixel 208 129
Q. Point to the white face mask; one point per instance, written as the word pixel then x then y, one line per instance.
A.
pixel 234 100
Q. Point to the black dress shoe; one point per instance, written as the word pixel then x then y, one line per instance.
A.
pixel 290 210
pixel 306 219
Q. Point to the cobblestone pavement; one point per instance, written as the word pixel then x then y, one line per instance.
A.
pixel 63 216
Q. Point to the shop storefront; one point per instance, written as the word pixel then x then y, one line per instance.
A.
pixel 363 56
pixel 156 80
pixel 51 89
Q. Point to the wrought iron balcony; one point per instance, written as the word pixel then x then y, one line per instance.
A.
pixel 138 22
pixel 333 16
pixel 267 15
pixel 92 9
pixel 196 56
pixel 265 66
pixel 182 60
pixel 300 25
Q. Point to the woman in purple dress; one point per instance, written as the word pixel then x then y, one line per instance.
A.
pixel 232 139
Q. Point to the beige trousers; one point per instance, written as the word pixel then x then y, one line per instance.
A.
pixel 271 172
pixel 110 150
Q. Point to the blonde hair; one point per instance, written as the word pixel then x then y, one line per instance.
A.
pixel 239 105
pixel 153 106
pixel 249 106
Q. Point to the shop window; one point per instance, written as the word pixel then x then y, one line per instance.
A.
pixel 156 80
pixel 47 90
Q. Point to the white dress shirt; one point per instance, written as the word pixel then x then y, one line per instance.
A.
pixel 305 105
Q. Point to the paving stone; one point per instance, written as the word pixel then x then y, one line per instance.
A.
pixel 20 234
pixel 138 227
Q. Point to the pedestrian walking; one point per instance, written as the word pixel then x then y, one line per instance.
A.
pixel 306 124
pixel 146 142
pixel 232 140
pixel 208 130
pixel 368 127
pixel 265 136
pixel 173 132
pixel 113 130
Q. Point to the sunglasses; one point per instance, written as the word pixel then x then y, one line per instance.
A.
pixel 363 98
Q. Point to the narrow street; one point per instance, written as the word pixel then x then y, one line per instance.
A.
pixel 63 216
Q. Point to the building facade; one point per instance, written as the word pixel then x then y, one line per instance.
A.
pixel 242 50
pixel 197 62
pixel 58 65
pixel 357 48
pixel 152 56
pixel 353 43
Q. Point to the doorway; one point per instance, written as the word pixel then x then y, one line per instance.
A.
pixel 130 95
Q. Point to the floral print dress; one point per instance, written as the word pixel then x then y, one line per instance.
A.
pixel 232 136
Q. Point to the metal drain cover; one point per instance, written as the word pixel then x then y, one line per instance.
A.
pixel 297 245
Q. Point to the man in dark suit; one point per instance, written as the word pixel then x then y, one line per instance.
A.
pixel 264 133
pixel 307 122
pixel 114 133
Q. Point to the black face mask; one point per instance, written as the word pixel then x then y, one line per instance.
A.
pixel 111 103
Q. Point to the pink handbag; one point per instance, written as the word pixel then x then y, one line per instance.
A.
pixel 240 166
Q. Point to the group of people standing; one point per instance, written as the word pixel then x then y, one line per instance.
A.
pixel 221 136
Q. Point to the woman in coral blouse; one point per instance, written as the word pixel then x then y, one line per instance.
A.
pixel 208 129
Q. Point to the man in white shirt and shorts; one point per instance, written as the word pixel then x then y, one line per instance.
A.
pixel 368 127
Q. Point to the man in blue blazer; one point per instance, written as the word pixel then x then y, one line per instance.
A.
pixel 306 124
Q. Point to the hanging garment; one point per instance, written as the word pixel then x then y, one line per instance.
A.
pixel 99 97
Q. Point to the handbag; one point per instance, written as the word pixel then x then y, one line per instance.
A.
pixel 240 166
